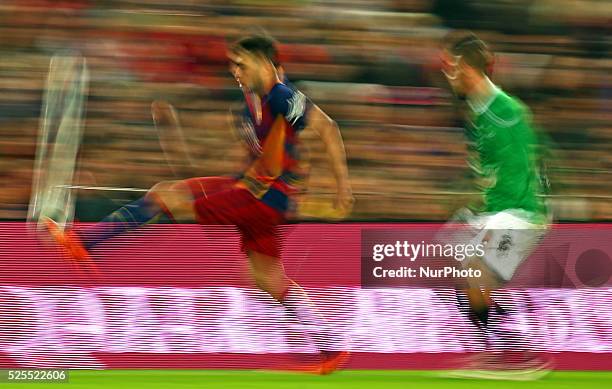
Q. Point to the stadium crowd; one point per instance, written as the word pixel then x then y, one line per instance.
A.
pixel 371 65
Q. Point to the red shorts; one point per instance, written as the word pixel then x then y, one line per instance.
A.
pixel 219 201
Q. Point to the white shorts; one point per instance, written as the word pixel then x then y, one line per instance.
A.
pixel 508 238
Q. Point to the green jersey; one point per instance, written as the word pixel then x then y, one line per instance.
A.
pixel 504 156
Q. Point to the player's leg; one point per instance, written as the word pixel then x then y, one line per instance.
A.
pixel 269 275
pixel 262 244
pixel 474 296
pixel 507 241
pixel 179 201
pixel 464 227
pixel 505 249
pixel 167 197
pixel 59 140
pixel 126 218
pixel 506 353
pixel 164 197
pixel 149 207
pixel 258 223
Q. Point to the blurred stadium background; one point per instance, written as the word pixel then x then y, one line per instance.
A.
pixel 372 65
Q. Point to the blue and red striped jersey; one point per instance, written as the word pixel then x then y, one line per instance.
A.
pixel 271 133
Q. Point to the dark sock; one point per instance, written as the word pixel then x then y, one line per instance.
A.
pixel 478 316
pixel 126 218
pixel 482 315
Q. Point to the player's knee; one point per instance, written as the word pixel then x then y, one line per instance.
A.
pixel 161 187
pixel 179 186
pixel 170 190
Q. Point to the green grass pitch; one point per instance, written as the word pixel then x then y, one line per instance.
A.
pixel 367 379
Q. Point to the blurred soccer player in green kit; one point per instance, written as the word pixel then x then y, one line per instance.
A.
pixel 510 217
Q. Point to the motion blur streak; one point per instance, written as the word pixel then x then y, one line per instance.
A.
pixel 67 326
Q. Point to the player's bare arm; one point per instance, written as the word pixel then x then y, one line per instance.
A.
pixel 329 133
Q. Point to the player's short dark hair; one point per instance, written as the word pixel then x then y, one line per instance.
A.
pixel 473 50
pixel 260 44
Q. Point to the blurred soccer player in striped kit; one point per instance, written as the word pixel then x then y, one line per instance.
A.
pixel 256 200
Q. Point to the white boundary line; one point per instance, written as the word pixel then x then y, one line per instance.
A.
pixel 405 194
